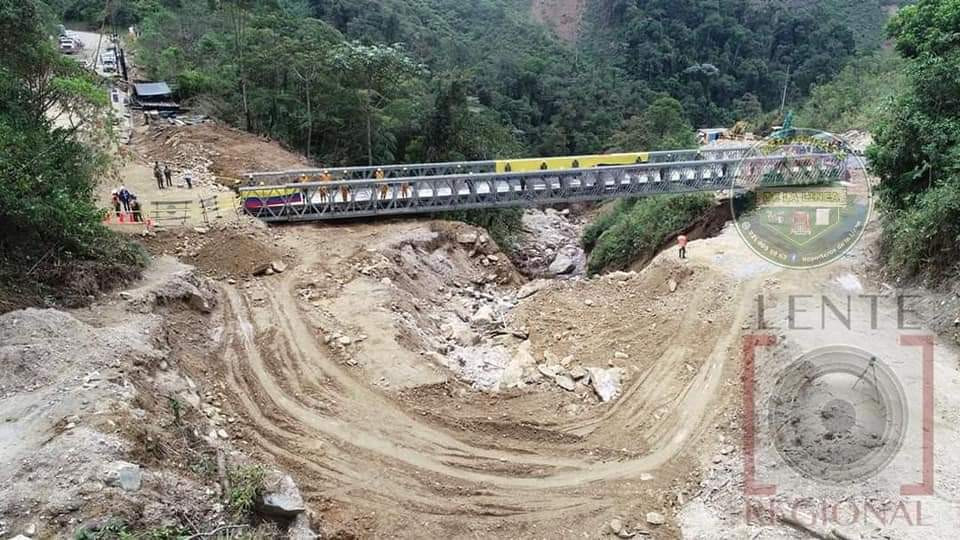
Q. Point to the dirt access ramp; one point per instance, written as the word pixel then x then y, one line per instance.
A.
pixel 225 152
pixel 334 367
pixel 215 155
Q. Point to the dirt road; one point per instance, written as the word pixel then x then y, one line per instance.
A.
pixel 441 459
pixel 423 453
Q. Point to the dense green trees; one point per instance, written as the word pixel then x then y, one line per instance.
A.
pixel 53 127
pixel 49 107
pixel 855 98
pixel 457 128
pixel 276 67
pixel 636 230
pixel 377 73
pixel 917 143
pixel 661 126
pixel 708 54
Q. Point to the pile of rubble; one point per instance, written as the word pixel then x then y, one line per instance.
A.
pixel 549 245
pixel 215 153
pixel 230 251
pixel 188 157
pixel 104 430
pixel 470 332
pixel 617 526
pixel 605 383
pixel 858 140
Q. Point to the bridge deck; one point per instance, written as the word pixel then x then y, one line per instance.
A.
pixel 348 199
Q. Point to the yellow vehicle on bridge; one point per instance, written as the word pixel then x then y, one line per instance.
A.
pixel 571 162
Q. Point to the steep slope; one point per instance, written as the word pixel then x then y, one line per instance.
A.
pixel 561 16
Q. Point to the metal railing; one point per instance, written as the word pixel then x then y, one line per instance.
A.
pixel 347 199
pixel 417 170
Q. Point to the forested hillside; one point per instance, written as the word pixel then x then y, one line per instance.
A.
pixel 918 144
pixel 857 96
pixel 391 80
pixel 53 137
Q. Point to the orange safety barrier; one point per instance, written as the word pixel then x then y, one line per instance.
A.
pixel 126 218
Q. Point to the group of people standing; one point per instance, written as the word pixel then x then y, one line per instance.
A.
pixel 164 176
pixel 125 202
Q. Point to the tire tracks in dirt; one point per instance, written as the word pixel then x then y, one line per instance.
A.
pixel 361 448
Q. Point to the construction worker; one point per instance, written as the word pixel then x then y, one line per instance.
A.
pixel 158 174
pixel 325 196
pixel 124 195
pixel 470 187
pixel 136 209
pixel 383 189
pixel 115 200
pixel 168 175
pixel 682 243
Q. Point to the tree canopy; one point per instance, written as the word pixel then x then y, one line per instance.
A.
pixel 50 108
pixel 296 69
pixel 54 135
pixel 917 142
pixel 661 126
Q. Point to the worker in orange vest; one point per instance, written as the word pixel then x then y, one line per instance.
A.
pixel 384 188
pixel 344 190
pixel 682 242
pixel 326 196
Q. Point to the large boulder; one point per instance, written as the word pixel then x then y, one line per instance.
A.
pixel 465 337
pixel 656 518
pixel 513 374
pixel 300 529
pixel 532 288
pixel 485 315
pixel 606 382
pixel 563 263
pixel 124 475
pixel 281 498
pixel 467 238
pixel 186 287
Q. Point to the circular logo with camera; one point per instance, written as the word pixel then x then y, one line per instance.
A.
pixel 837 415
pixel 801 198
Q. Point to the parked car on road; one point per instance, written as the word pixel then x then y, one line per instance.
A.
pixel 68 45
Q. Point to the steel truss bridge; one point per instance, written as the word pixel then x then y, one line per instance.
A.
pixel 439 187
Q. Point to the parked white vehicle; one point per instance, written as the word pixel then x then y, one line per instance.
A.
pixel 69 45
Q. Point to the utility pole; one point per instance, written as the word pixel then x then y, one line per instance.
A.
pixel 306 85
pixel 783 99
